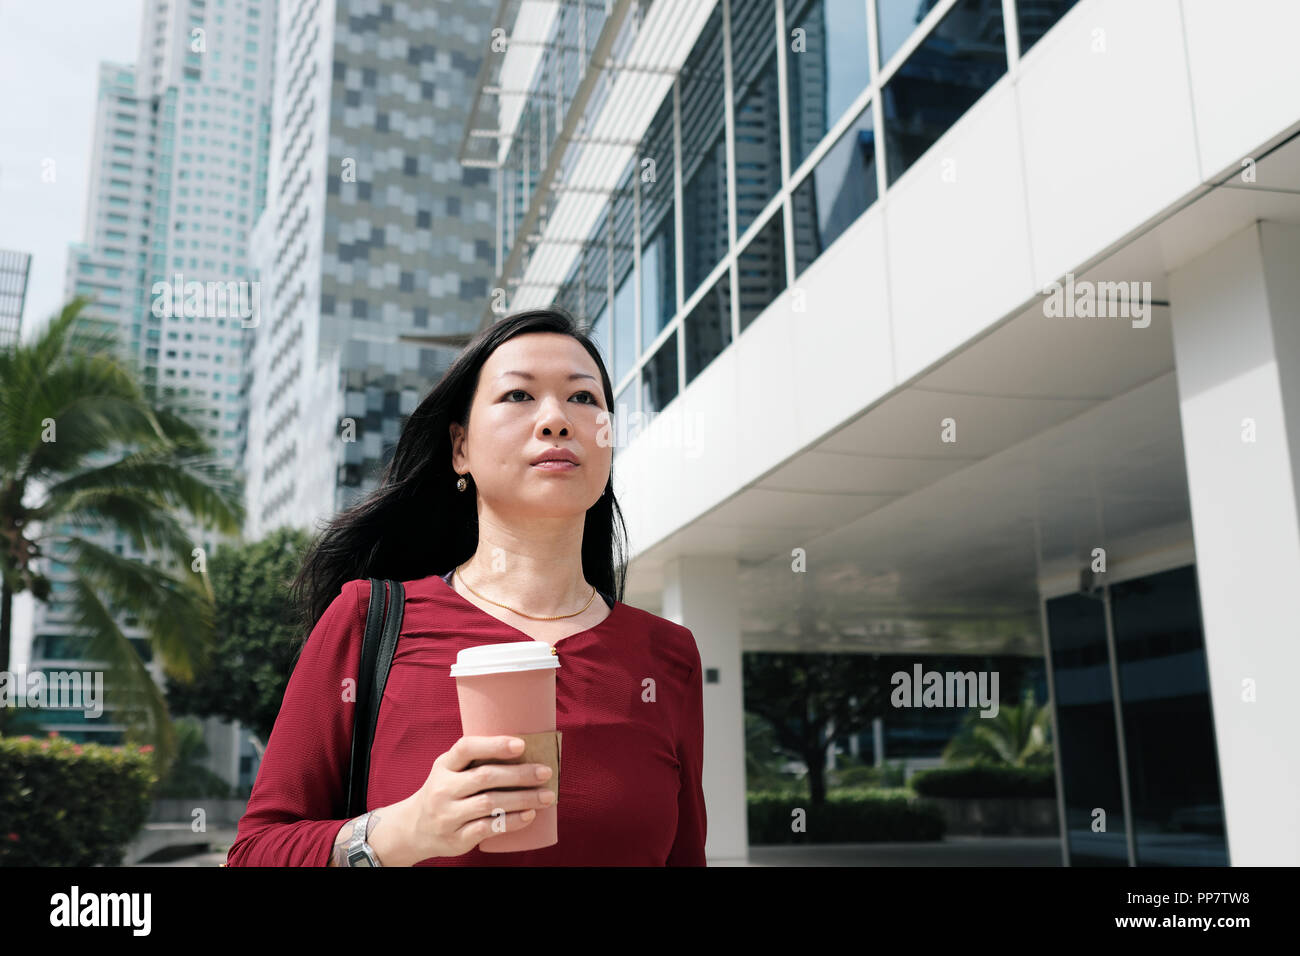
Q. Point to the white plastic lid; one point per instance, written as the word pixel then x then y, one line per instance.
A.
pixel 504 658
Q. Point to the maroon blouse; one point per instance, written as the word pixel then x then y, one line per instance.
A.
pixel 630 778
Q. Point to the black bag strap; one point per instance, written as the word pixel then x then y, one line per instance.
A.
pixel 383 625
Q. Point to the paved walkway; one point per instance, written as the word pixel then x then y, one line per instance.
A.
pixel 952 851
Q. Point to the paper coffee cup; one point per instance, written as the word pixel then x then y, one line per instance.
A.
pixel 509 689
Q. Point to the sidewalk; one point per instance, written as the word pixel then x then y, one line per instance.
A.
pixel 953 851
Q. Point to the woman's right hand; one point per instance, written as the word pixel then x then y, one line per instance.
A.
pixel 452 812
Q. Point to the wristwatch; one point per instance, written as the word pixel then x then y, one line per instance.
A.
pixel 361 853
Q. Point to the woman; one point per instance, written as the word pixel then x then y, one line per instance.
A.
pixel 491 547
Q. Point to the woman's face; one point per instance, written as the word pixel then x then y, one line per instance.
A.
pixel 537 393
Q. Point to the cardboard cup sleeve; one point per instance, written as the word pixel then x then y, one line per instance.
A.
pixel 538 748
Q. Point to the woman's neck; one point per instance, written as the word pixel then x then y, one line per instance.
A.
pixel 535 584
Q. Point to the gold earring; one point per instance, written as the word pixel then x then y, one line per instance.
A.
pixel 460 484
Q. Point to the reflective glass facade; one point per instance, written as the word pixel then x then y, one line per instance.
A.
pixel 826 68
pixel 798 162
pixel 952 68
pixel 1168 759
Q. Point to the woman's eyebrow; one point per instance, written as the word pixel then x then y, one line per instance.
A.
pixel 531 377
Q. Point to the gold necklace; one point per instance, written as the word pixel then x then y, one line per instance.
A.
pixel 521 613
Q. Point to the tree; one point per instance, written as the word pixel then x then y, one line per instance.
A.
pixel 811 699
pixel 78 433
pixel 1019 736
pixel 257 634
pixel 188 777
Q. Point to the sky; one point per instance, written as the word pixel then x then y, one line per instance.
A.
pixel 50 51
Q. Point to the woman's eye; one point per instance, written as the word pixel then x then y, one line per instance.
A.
pixel 520 391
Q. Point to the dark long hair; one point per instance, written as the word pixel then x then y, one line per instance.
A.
pixel 415 523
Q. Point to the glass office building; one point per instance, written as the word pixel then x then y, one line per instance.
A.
pixel 832 235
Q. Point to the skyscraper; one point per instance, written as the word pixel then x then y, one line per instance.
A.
pixel 177 178
pixel 374 238
pixel 14 267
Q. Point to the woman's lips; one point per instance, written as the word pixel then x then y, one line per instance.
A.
pixel 555 465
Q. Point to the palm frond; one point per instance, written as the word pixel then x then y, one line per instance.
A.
pixel 177 612
pixel 194 483
pixel 133 694
pixel 135 512
pixel 93 404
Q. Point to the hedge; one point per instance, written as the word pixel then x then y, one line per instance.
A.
pixel 70 804
pixel 848 816
pixel 986 780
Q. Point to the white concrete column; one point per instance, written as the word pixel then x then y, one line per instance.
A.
pixel 1236 330
pixel 703 593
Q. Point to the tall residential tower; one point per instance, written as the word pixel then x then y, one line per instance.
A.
pixel 177 178
pixel 375 250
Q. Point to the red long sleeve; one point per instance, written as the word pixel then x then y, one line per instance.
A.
pixel 291 815
pixel 692 821
pixel 631 791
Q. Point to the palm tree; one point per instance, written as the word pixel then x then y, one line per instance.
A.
pixel 78 434
pixel 1019 736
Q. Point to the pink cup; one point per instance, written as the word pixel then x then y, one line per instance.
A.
pixel 509 689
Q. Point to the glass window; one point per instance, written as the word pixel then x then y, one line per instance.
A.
pixel 827 67
pixel 1164 686
pixel 600 334
pixel 624 326
pixel 622 211
pixel 708 327
pixel 704 156
pixel 658 227
pixel 951 69
pixel 1085 725
pixel 760 270
pixel 595 277
pixel 1036 17
pixel 659 377
pixel 895 22
pixel 758 127
pixel 837 191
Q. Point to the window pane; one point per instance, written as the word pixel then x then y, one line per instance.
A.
pixel 758 146
pixel 1164 690
pixel 658 228
pixel 659 377
pixel 761 270
pixel 836 192
pixel 895 21
pixel 624 327
pixel 623 226
pixel 827 68
pixel 948 72
pixel 1085 724
pixel 600 334
pixel 708 327
pixel 1036 17
pixel 758 125
pixel 658 286
pixel 595 265
pixel 704 156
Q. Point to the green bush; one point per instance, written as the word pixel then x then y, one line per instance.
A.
pixel 986 780
pixel 891 775
pixel 848 816
pixel 69 804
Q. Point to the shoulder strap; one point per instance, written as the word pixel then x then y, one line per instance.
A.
pixel 378 643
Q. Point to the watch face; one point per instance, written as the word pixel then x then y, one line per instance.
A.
pixel 358 857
